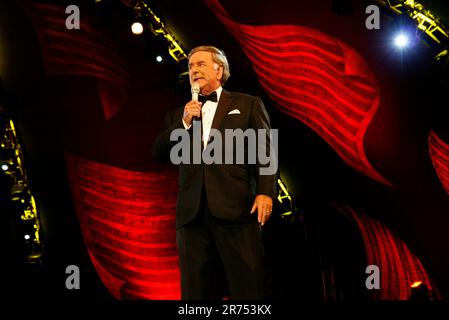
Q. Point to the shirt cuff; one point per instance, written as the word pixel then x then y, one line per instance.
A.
pixel 185 125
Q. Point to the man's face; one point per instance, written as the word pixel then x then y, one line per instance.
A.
pixel 205 72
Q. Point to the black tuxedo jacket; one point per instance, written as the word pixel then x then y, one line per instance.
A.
pixel 230 188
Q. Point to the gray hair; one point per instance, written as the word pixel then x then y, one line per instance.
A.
pixel 218 56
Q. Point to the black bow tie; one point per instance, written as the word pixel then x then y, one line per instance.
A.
pixel 212 97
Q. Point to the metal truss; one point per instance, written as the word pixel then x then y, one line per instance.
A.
pixel 425 20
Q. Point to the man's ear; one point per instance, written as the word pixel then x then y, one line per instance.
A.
pixel 220 72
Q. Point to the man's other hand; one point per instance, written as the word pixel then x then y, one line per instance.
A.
pixel 264 206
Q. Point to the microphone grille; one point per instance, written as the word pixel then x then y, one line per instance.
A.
pixel 195 87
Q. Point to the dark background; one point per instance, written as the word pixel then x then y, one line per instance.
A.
pixel 61 113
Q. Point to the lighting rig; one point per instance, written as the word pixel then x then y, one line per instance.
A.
pixel 15 193
pixel 427 22
pixel 157 26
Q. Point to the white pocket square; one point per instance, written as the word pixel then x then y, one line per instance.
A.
pixel 235 111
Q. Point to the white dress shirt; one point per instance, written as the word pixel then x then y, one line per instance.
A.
pixel 207 115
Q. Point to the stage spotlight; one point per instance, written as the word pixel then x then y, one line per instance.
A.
pixel 401 41
pixel 137 28
pixel 5 167
pixel 419 291
pixel 27 237
pixel 159 59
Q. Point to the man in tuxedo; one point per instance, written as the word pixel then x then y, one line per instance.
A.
pixel 221 208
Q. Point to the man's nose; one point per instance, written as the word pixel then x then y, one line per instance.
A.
pixel 193 74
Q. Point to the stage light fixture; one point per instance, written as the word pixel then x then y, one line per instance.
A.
pixel 419 291
pixel 401 41
pixel 158 28
pixel 17 185
pixel 137 28
pixel 426 23
pixel 159 59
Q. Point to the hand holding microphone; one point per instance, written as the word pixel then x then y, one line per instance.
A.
pixel 192 110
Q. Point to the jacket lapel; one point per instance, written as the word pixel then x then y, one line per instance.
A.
pixel 222 107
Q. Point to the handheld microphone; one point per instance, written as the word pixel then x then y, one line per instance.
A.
pixel 195 91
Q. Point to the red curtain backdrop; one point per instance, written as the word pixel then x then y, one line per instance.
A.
pixel 82 52
pixel 316 79
pixel 127 221
pixel 399 267
pixel 439 152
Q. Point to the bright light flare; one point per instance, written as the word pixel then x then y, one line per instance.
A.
pixel 137 28
pixel 401 41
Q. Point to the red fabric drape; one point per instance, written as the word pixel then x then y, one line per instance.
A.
pixel 316 79
pixel 127 221
pixel 439 152
pixel 399 267
pixel 82 52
